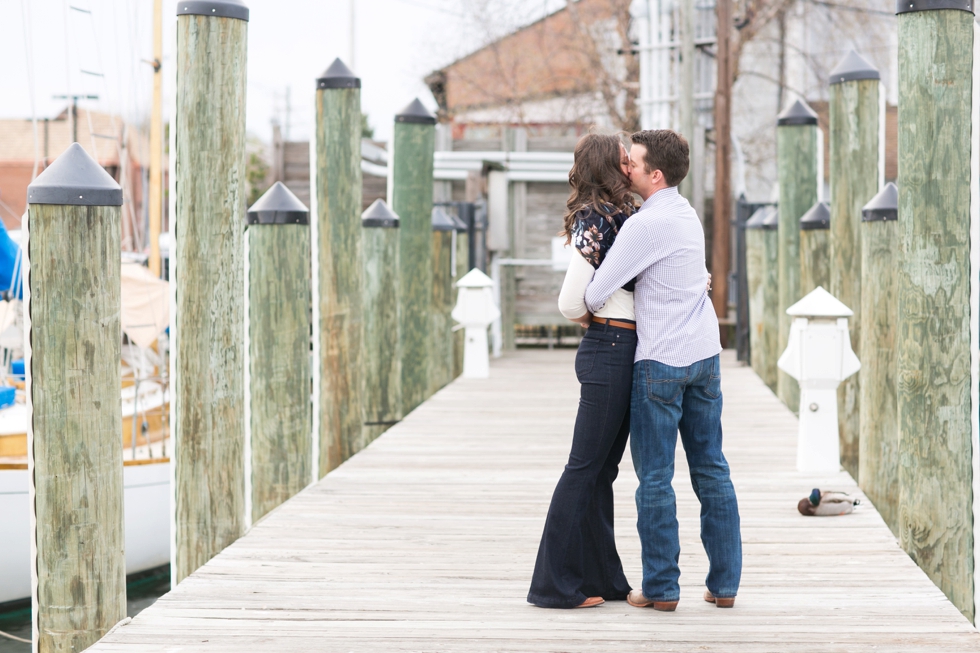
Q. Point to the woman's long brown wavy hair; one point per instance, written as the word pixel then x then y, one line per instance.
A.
pixel 597 180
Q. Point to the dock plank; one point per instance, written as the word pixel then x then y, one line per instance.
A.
pixel 425 541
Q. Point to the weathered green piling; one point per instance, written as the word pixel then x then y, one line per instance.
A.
pixel 879 365
pixel 770 299
pixel 412 168
pixel 382 356
pixel 441 363
pixel 815 248
pixel 73 379
pixel 277 291
pixel 856 171
pixel 338 267
pixel 935 368
pixel 796 151
pixel 756 277
pixel 461 268
pixel 208 349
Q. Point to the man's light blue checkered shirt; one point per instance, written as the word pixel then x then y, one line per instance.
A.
pixel 662 245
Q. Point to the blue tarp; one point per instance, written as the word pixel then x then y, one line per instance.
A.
pixel 10 260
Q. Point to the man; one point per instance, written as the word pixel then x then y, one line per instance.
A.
pixel 676 375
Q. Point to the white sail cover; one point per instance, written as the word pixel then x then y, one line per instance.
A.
pixel 145 304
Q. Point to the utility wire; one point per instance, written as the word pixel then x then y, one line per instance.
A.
pixel 843 7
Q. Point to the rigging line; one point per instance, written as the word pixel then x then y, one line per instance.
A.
pixel 29 52
pixel 843 7
pixel 71 118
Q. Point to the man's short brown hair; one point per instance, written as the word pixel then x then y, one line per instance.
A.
pixel 667 151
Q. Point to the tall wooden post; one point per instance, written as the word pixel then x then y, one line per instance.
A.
pixel 277 295
pixel 412 168
pixel 461 268
pixel 75 432
pixel 337 266
pixel 879 365
pixel 815 248
pixel 796 152
pixel 763 271
pixel 208 350
pixel 721 242
pixel 856 172
pixel 443 299
pixel 382 356
pixel 937 150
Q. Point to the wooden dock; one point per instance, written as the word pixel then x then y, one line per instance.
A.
pixel 425 541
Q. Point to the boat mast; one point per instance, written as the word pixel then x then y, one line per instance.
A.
pixel 156 139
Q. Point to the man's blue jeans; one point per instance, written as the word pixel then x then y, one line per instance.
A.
pixel 666 399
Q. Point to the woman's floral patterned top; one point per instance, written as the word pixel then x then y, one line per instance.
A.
pixel 594 233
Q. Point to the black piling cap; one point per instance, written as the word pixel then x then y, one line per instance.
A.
pixel 338 75
pixel 415 113
pixel 218 8
pixel 379 215
pixel 883 206
pixel 798 113
pixel 772 220
pixel 758 219
pixel 75 179
pixel 442 221
pixel 908 6
pixel 278 205
pixel 852 68
pixel 818 217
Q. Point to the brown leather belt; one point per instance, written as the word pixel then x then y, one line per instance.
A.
pixel 615 323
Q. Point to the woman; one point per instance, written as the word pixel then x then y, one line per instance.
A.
pixel 578 565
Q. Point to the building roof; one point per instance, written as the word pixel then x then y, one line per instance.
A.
pixel 547 58
pixel 54 137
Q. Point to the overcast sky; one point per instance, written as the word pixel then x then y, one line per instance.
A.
pixel 289 43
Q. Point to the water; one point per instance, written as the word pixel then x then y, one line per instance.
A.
pixel 141 591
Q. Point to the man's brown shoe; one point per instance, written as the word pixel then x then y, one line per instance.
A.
pixel 728 602
pixel 637 600
pixel 591 602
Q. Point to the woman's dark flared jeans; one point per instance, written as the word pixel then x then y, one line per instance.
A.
pixel 577 557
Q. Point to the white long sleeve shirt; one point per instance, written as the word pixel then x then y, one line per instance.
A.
pixel 571 299
pixel 662 246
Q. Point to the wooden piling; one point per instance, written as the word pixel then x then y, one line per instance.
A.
pixel 796 151
pixel 443 299
pixel 277 291
pixel 856 171
pixel 73 382
pixel 763 294
pixel 462 267
pixel 935 369
pixel 338 266
pixel 382 356
pixel 207 346
pixel 815 248
pixel 878 458
pixel 412 168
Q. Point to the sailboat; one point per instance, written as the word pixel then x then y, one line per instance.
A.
pixel 144 394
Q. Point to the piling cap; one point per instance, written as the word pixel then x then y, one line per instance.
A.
pixel 819 303
pixel 818 217
pixel 475 279
pixel 772 220
pixel 442 221
pixel 758 219
pixel 908 6
pixel 338 75
pixel 75 179
pixel 415 113
pixel 217 8
pixel 853 67
pixel 798 113
pixel 883 206
pixel 278 206
pixel 379 215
